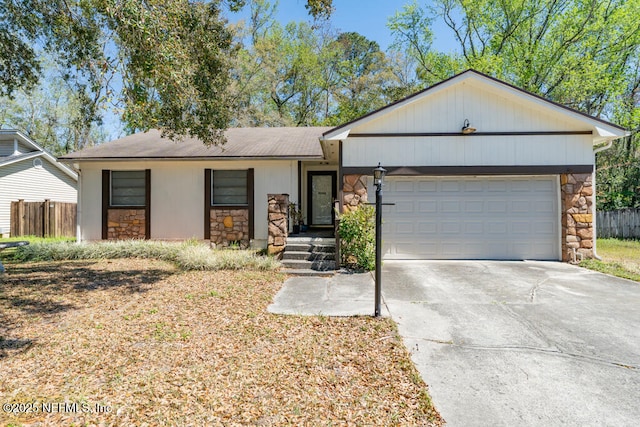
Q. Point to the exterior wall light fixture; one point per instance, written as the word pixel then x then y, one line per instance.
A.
pixel 466 128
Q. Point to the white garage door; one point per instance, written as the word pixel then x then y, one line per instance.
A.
pixel 471 218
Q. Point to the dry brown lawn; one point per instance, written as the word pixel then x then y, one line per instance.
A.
pixel 150 345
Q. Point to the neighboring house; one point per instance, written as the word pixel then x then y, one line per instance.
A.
pixel 30 173
pixel 519 186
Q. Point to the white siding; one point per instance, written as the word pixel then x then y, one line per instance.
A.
pixel 21 180
pixel 7 148
pixel 177 194
pixel 469 151
pixel 487 110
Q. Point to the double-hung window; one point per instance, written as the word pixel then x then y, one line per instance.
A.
pixel 128 188
pixel 229 188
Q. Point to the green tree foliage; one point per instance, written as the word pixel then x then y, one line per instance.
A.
pixel 583 54
pixel 50 114
pixel 302 74
pixel 172 56
pixel 164 63
pixel 363 77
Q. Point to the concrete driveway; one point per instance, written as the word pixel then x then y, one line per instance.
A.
pixel 520 343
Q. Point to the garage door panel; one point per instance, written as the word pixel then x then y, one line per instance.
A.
pixel 473 186
pixel 474 227
pixel 427 227
pixel 427 206
pixel 544 228
pixel 449 186
pixel 471 218
pixel 498 186
pixel 496 228
pixel 450 249
pixel 520 206
pixel 548 186
pixel 497 206
pixel 474 206
pixel 404 227
pixel 449 227
pixel 450 206
pixel 544 207
pixel 405 206
pixel 520 228
pixel 521 185
pixel 427 186
pixel 404 186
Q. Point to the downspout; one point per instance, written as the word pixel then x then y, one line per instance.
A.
pixel 79 207
pixel 593 180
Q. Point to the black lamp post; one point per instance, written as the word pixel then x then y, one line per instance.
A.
pixel 378 177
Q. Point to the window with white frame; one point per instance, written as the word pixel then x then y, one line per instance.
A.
pixel 229 187
pixel 128 188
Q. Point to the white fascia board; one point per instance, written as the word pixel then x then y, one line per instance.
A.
pixel 21 158
pixel 60 166
pixel 342 135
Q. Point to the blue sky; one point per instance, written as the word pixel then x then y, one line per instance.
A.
pixel 367 17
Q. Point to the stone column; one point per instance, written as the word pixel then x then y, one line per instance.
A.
pixel 577 215
pixel 277 213
pixel 354 191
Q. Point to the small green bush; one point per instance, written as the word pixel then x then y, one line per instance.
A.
pixel 357 238
pixel 189 255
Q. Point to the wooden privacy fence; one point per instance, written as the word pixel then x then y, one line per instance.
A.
pixel 43 219
pixel 622 224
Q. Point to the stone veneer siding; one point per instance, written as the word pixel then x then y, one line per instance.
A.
pixel 354 191
pixel 577 215
pixel 277 214
pixel 229 226
pixel 126 224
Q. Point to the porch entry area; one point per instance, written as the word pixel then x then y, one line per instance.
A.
pixel 321 192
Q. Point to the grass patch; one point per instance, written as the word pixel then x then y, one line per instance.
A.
pixel 620 258
pixel 122 334
pixel 189 255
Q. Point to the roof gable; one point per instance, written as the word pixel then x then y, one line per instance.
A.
pixel 489 104
pixel 37 151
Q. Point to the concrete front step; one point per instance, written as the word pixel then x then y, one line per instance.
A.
pixel 308 256
pixel 311 241
pixel 307 272
pixel 301 247
pixel 310 265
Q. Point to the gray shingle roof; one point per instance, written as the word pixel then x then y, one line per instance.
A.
pixel 292 142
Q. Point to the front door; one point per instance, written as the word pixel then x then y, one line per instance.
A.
pixel 321 194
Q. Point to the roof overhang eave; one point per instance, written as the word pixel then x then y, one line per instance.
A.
pixel 603 134
pixel 340 134
pixel 71 160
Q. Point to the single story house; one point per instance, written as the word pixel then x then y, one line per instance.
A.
pixel 30 173
pixel 477 169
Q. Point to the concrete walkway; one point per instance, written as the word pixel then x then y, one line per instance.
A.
pixel 340 295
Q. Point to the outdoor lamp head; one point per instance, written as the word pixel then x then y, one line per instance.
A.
pixel 467 128
pixel 378 174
